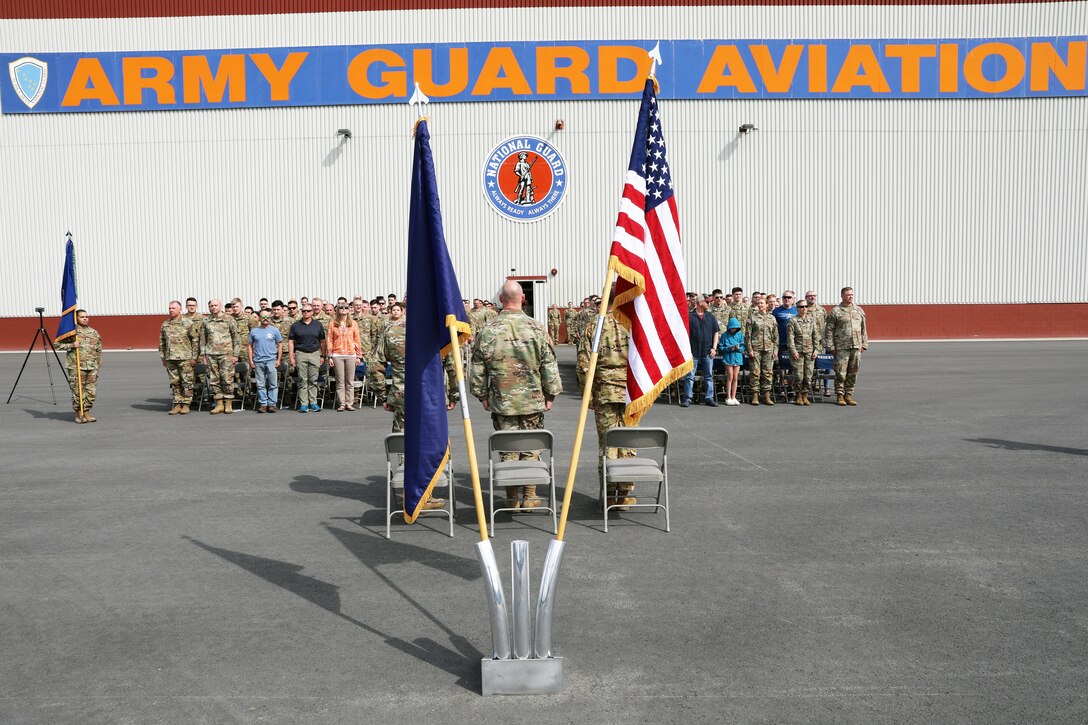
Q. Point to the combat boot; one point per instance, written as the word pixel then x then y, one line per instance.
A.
pixel 175 410
pixel 850 399
pixel 218 407
pixel 531 501
pixel 434 503
pixel 800 399
pixel 513 497
pixel 228 406
pixel 767 399
pixel 87 417
pixel 79 418
pixel 840 400
pixel 808 398
pixel 184 409
pixel 754 400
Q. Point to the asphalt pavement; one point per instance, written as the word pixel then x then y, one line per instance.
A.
pixel 918 558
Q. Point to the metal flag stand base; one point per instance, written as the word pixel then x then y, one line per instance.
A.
pixel 527 666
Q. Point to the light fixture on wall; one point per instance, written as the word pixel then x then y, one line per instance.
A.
pixel 345 132
pixel 559 124
pixel 748 128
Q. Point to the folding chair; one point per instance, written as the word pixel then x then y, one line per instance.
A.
pixel 521 473
pixel 394 481
pixel 652 468
pixel 201 391
pixel 243 386
pixel 721 379
pixel 358 385
pixel 823 372
pixel 744 380
pixel 324 374
pixel 281 386
pixel 783 376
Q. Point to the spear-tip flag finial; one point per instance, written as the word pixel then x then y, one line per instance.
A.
pixel 655 56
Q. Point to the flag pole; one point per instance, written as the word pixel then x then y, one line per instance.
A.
pixel 477 493
pixel 587 393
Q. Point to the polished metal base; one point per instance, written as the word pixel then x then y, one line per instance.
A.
pixel 522 677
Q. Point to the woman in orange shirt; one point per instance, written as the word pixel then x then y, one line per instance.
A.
pixel 345 349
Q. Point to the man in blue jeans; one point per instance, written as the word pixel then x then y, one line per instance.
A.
pixel 703 331
pixel 265 354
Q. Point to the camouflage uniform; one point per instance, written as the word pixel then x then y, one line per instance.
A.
pixel 761 338
pixel 585 347
pixel 284 326
pixel 722 313
pixel 243 324
pixel 568 320
pixel 609 395
pixel 553 323
pixel 375 366
pixel 819 316
pixel 178 344
pixel 740 311
pixel 90 357
pixel 846 335
pixel 804 338
pixel 219 343
pixel 514 370
pixel 391 350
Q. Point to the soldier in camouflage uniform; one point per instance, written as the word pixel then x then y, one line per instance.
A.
pixel 391 350
pixel 761 341
pixel 192 316
pixel 243 323
pixel 220 346
pixel 719 309
pixel 89 344
pixel 817 312
pixel 805 340
pixel 587 327
pixel 608 397
pixel 553 323
pixel 178 346
pixel 568 320
pixel 737 308
pixel 847 338
pixel 515 375
pixel 375 368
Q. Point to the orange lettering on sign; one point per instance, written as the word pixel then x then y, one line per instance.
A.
pixel 726 68
pixel 393 82
pixel 911 63
pixel 501 70
pixel 817 69
pixel 196 74
pixel 423 71
pixel 780 79
pixel 861 68
pixel 548 70
pixel 608 68
pixel 1014 67
pixel 950 72
pixel 1069 72
pixel 89 83
pixel 279 79
pixel 132 71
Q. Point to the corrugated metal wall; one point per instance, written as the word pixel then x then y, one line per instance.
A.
pixel 909 201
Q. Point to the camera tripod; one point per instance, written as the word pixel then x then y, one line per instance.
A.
pixel 46 341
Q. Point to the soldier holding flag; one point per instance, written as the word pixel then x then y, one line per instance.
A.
pixel 84 356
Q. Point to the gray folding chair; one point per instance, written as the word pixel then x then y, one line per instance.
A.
pixel 651 465
pixel 522 473
pixel 394 481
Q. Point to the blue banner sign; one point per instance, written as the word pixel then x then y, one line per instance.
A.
pixel 527 71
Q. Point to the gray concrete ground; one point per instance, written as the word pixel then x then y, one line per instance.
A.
pixel 919 558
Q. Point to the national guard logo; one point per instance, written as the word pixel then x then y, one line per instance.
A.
pixel 525 178
pixel 29 76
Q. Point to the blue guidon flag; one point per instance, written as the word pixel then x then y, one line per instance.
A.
pixel 436 306
pixel 67 326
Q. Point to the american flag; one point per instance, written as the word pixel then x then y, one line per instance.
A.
pixel 650 299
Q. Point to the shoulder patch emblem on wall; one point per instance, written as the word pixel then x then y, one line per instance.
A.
pixel 28 76
pixel 525 178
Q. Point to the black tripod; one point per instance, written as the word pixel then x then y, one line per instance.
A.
pixel 49 371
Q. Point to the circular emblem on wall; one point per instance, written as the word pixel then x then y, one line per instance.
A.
pixel 525 178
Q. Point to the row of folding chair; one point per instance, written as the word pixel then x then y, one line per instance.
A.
pixel 648 465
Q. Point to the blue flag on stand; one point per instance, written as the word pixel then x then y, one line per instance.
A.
pixel 436 305
pixel 67 326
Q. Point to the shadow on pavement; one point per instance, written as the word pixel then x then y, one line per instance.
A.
pixel 462 663
pixel 1021 446
pixel 50 415
pixel 155 405
pixel 372 492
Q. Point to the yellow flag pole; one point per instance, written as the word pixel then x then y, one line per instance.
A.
pixel 587 393
pixel 477 493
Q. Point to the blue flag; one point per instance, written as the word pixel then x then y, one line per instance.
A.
pixel 67 326
pixel 436 305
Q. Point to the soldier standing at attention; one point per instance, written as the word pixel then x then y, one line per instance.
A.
pixel 220 346
pixel 738 308
pixel 391 350
pixel 243 323
pixel 608 397
pixel 515 375
pixel 553 323
pixel 846 337
pixel 191 316
pixel 178 345
pixel 89 344
pixel 761 339
pixel 804 339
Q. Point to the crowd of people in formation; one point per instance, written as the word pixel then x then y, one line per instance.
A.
pixel 358 344
pixel 776 341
